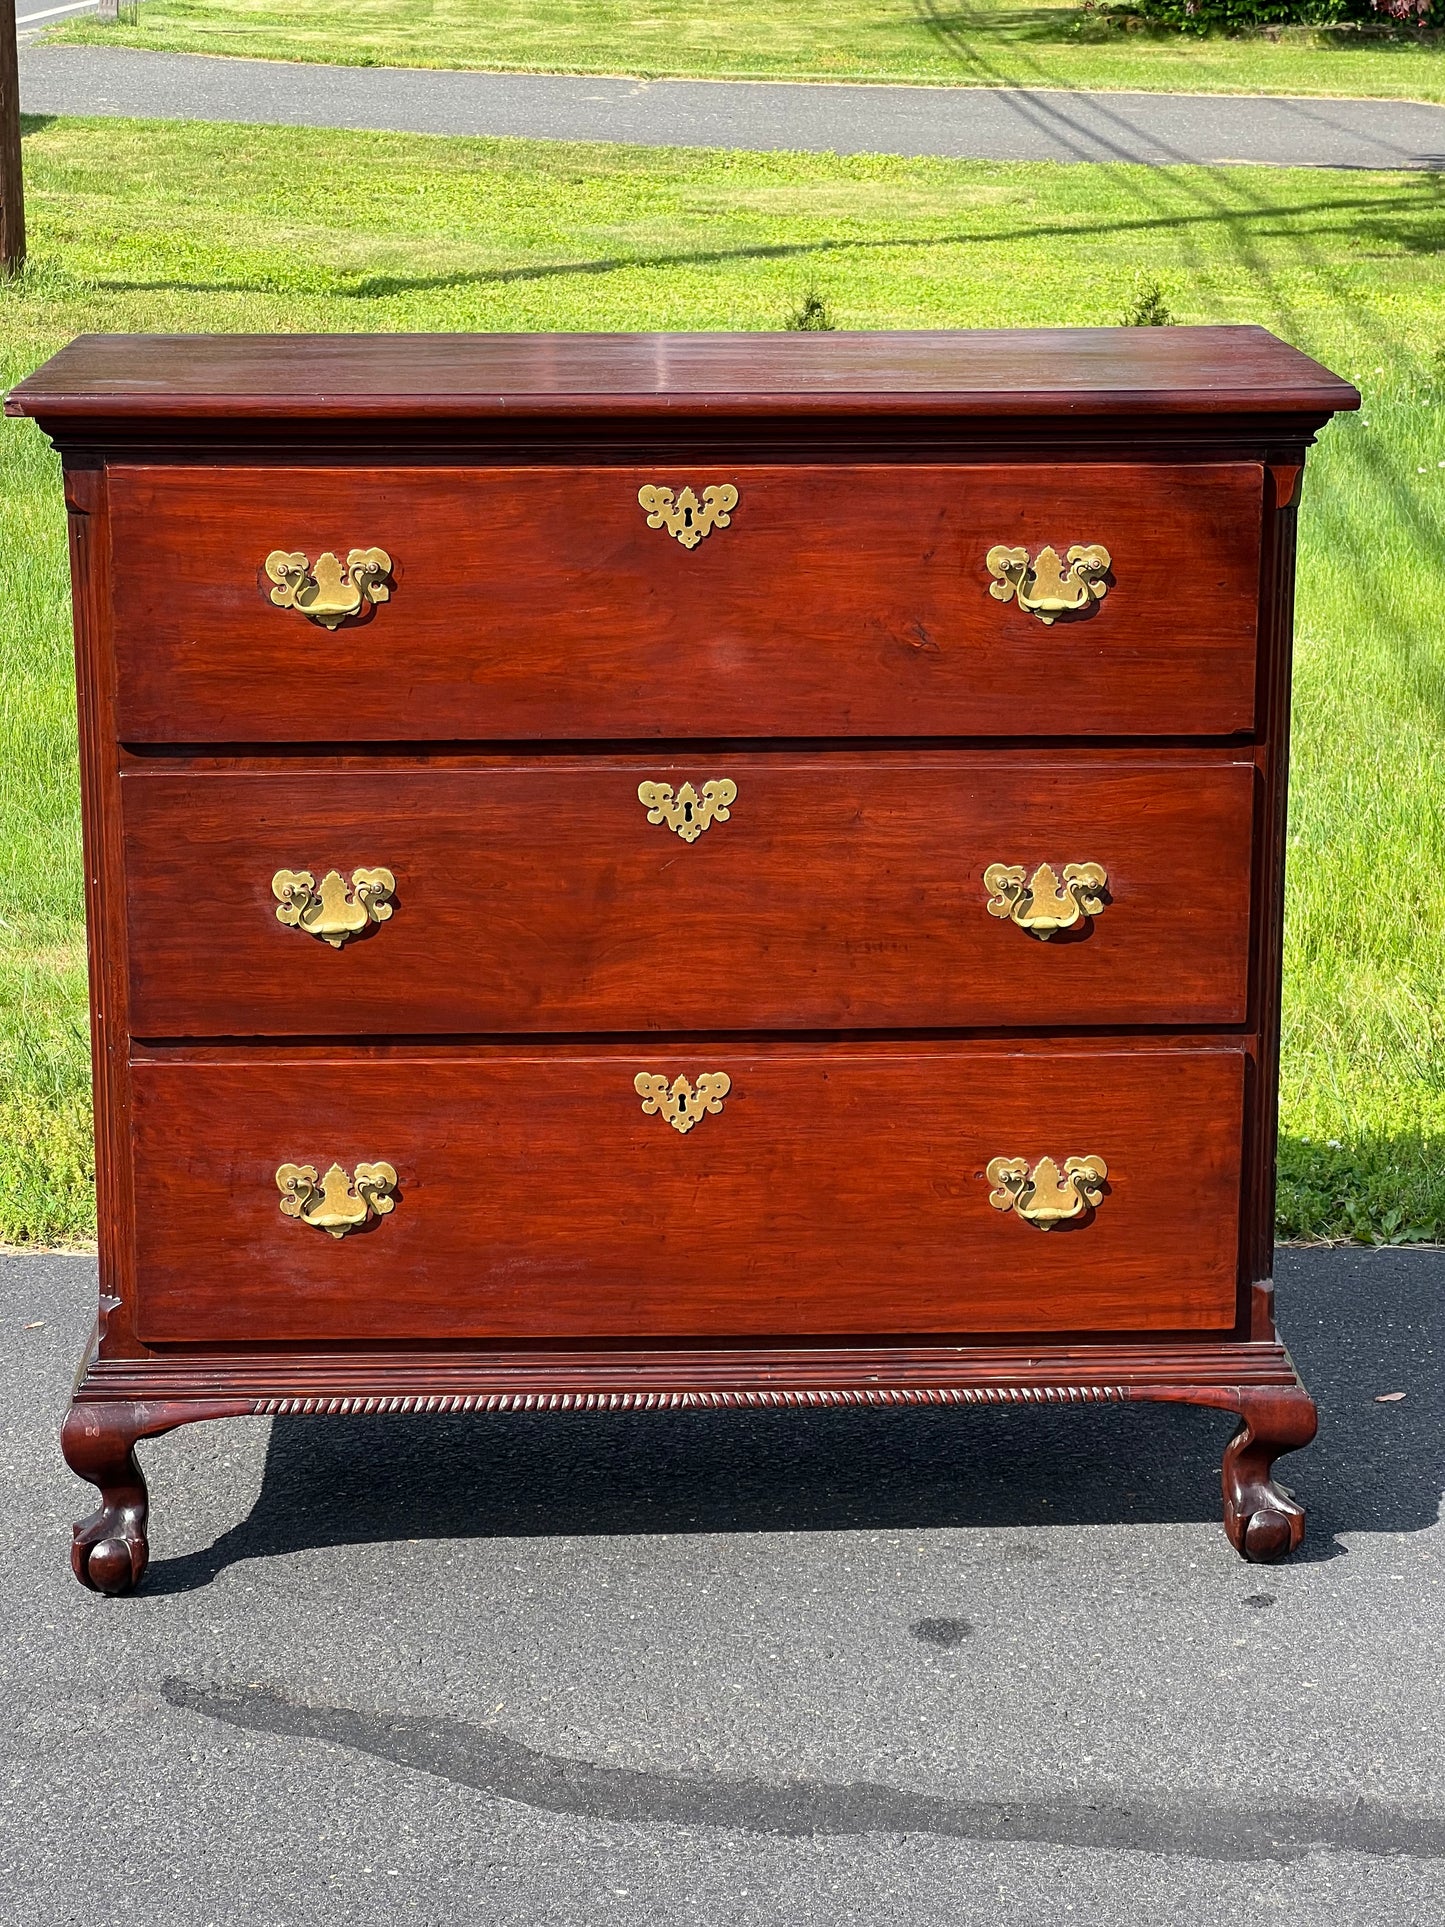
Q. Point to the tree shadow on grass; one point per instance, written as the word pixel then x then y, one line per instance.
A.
pixel 1360 1323
pixel 1377 220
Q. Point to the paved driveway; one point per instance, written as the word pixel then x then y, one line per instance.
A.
pixel 961 122
pixel 964 1666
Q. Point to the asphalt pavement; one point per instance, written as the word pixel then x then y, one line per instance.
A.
pixel 974 1666
pixel 34 18
pixel 973 123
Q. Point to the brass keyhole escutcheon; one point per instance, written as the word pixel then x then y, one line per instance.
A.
pixel 687 813
pixel 681 1103
pixel 684 517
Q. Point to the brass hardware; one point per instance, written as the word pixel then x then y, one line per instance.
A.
pixel 328 590
pixel 332 909
pixel 686 518
pixel 1043 1196
pixel 678 1102
pixel 1042 904
pixel 336 1203
pixel 687 813
pixel 1049 588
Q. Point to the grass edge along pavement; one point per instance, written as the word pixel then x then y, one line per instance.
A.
pixel 984 43
pixel 178 226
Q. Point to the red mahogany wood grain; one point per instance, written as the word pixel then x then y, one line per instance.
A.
pixel 460 378
pixel 841 1189
pixel 827 1238
pixel 533 603
pixel 842 891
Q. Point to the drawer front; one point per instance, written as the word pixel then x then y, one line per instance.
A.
pixel 537 1195
pixel 540 603
pixel 823 892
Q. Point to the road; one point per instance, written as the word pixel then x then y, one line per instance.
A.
pixel 34 17
pixel 1000 124
pixel 974 1666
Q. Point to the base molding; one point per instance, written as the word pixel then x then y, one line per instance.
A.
pixel 736 1399
pixel 118 1401
pixel 279 1383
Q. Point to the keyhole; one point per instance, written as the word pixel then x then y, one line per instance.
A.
pixel 687 518
pixel 687 812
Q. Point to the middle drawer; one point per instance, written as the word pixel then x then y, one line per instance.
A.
pixel 716 891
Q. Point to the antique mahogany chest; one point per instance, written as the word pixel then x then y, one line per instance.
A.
pixel 725 870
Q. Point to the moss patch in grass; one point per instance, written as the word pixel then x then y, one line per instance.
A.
pixel 173 226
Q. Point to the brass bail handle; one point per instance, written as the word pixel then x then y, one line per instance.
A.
pixel 1042 1194
pixel 1045 902
pixel 1051 585
pixel 338 1202
pixel 328 590
pixel 333 909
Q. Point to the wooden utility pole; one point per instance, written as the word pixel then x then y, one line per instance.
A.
pixel 12 186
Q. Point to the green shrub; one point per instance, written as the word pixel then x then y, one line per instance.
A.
pixel 1148 309
pixel 811 316
pixel 1237 16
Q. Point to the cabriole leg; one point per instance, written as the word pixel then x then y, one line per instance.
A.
pixel 1262 1519
pixel 109 1548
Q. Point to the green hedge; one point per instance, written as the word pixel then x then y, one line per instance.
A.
pixel 1238 16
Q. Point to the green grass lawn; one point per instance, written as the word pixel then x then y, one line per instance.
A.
pixel 172 226
pixel 1052 43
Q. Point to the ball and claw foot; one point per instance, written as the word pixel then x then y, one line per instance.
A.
pixel 1262 1519
pixel 112 1561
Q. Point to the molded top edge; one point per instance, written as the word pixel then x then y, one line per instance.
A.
pixel 955 373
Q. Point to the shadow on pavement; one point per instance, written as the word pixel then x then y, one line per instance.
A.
pixel 1360 1323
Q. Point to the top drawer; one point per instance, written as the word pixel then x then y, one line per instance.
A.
pixel 540 603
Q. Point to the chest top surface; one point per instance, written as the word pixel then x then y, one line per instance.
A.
pixel 1070 372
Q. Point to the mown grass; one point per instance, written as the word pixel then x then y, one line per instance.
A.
pixel 986 43
pixel 172 226
pixel 46 1166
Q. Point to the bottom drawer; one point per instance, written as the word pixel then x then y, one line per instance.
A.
pixel 782 1190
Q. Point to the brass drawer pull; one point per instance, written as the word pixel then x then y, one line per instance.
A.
pixel 681 1104
pixel 683 516
pixel 1041 903
pixel 687 814
pixel 336 1203
pixel 329 590
pixel 333 910
pixel 1043 1196
pixel 1048 587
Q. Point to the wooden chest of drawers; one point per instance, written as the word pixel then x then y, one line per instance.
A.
pixel 694 870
